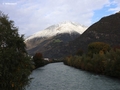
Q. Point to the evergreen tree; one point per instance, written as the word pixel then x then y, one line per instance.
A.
pixel 15 65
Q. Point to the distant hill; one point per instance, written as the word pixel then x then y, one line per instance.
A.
pixel 107 30
pixel 51 40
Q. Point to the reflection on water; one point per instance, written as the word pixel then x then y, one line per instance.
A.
pixel 57 76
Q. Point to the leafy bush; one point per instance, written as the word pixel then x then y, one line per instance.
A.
pixel 113 63
pixel 96 47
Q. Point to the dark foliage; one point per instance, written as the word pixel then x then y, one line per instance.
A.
pixel 107 63
pixel 79 52
pixel 15 65
pixel 38 59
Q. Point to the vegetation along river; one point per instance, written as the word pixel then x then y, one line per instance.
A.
pixel 57 76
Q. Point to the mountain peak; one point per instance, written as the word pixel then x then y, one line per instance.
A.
pixel 64 27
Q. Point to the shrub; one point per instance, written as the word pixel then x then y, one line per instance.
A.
pixel 113 63
pixel 38 60
pixel 96 47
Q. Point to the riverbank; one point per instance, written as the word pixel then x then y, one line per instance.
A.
pixel 106 64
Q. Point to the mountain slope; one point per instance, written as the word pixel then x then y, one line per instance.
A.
pixel 52 46
pixel 52 39
pixel 107 30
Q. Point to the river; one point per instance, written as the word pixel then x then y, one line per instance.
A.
pixel 57 76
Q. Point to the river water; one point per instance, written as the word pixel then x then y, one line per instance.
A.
pixel 57 76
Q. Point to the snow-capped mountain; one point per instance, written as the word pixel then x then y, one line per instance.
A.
pixel 51 40
pixel 65 27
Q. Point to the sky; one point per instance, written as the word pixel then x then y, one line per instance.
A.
pixel 31 16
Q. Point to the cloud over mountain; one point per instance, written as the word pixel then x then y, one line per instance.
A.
pixel 34 15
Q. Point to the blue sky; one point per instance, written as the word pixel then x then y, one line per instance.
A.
pixel 31 16
pixel 105 11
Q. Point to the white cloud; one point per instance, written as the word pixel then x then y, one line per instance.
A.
pixel 117 4
pixel 35 15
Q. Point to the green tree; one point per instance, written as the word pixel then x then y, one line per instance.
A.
pixel 15 65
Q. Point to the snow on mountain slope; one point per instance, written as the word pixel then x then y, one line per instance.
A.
pixel 65 27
